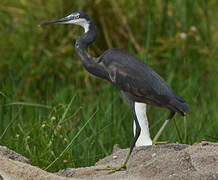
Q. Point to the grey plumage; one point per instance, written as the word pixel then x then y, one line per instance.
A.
pixel 139 81
pixel 136 81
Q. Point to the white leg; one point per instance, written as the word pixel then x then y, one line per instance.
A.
pixel 144 138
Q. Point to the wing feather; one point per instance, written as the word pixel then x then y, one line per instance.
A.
pixel 128 72
pixel 139 81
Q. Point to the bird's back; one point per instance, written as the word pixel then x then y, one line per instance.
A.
pixel 139 81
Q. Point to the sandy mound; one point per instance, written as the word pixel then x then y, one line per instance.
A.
pixel 172 161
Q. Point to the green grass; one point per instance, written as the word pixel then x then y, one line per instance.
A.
pixel 47 98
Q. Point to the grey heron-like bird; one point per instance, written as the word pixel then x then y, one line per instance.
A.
pixel 137 82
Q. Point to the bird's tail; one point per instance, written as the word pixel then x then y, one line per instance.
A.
pixel 179 105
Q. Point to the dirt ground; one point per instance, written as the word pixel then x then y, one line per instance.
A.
pixel 171 161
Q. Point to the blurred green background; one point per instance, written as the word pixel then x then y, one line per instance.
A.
pixel 46 96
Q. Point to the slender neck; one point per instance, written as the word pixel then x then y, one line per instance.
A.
pixel 83 42
pixel 90 63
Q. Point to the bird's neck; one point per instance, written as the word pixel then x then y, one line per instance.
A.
pixel 84 41
pixel 90 63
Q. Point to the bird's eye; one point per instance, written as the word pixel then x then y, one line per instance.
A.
pixel 77 17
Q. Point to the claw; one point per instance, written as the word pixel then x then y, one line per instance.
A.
pixel 112 169
pixel 159 142
pixel 118 168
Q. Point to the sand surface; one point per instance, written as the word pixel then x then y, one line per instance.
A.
pixel 171 161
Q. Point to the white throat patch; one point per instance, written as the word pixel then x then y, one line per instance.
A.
pixel 81 21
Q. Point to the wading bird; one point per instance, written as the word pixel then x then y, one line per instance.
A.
pixel 137 82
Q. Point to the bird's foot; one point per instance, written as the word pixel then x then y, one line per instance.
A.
pixel 154 143
pixel 112 169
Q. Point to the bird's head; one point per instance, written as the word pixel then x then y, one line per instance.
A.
pixel 78 18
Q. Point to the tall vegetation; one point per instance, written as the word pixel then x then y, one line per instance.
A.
pixel 46 96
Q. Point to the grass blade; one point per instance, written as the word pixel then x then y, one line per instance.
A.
pixel 28 104
pixel 1 93
pixel 67 109
pixel 71 142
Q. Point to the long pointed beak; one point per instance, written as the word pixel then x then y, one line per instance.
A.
pixel 62 20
